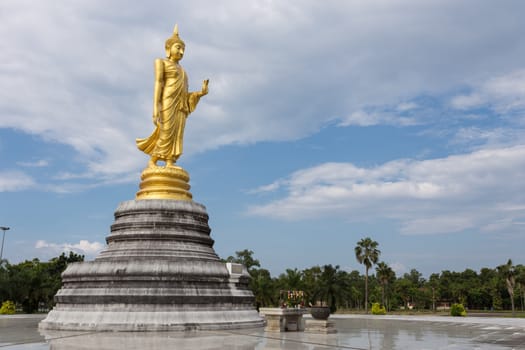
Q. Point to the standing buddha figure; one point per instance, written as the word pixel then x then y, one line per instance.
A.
pixel 172 103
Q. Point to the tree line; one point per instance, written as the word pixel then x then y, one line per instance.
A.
pixel 31 285
pixel 498 288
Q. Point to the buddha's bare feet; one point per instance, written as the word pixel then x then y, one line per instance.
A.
pixel 152 162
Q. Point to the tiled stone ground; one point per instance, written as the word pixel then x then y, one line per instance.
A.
pixel 20 332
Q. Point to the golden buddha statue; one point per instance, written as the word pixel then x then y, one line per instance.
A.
pixel 172 103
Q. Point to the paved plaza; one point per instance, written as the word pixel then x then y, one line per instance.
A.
pixel 19 332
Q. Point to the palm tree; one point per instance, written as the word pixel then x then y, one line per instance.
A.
pixel 292 279
pixel 332 285
pixel 520 280
pixel 508 272
pixel 245 257
pixel 384 274
pixel 433 283
pixel 366 253
pixel 262 286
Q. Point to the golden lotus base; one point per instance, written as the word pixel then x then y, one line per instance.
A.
pixel 164 182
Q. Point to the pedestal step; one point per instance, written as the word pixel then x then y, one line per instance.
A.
pixel 319 326
pixel 158 273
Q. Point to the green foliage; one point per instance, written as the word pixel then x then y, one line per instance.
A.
pixel 331 286
pixel 310 283
pixel 385 276
pixel 261 283
pixel 263 288
pixel 33 283
pixel 458 310
pixel 8 308
pixel 377 309
pixel 291 280
pixel 405 290
pixel 366 253
pixel 508 273
pixel 244 257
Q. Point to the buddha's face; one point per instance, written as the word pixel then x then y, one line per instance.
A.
pixel 177 51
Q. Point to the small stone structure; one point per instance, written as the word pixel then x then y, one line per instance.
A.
pixel 319 322
pixel 283 319
pixel 319 326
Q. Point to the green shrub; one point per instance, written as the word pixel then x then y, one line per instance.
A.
pixel 378 309
pixel 8 308
pixel 457 310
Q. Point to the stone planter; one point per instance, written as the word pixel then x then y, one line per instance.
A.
pixel 291 326
pixel 320 312
pixel 282 320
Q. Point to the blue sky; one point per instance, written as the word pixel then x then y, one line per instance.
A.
pixel 326 122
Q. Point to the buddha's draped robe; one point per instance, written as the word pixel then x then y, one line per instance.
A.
pixel 176 104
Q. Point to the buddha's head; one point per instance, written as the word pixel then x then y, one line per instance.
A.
pixel 174 46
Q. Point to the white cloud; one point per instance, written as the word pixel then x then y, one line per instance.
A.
pixel 399 268
pixel 83 247
pixel 508 91
pixel 279 71
pixel 488 137
pixel 42 163
pixel 361 118
pixel 406 106
pixel 12 181
pixel 460 192
pixel 268 188
pixel 467 101
pixel 504 94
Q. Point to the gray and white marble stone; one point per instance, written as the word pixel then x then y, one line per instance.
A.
pixel 159 272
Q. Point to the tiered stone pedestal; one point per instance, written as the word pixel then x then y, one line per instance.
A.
pixel 319 326
pixel 283 320
pixel 159 272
